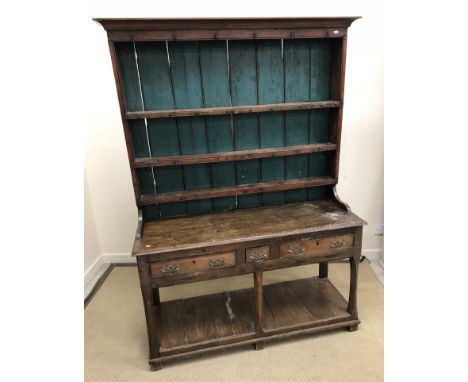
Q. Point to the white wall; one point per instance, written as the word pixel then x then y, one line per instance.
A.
pixel 110 201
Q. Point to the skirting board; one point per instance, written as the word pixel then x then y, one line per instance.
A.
pixel 100 266
pixel 372 254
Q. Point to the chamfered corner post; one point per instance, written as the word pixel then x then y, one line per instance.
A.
pixel 258 302
pixel 150 308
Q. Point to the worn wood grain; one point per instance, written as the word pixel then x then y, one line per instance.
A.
pixel 243 189
pixel 223 110
pixel 227 227
pixel 240 155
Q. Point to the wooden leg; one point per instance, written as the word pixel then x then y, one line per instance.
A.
pixel 323 270
pixel 352 328
pixel 352 302
pixel 155 366
pixel 259 345
pixel 156 299
pixel 258 292
pixel 150 310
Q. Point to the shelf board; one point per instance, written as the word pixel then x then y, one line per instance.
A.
pixel 301 302
pixel 195 323
pixel 232 109
pixel 233 155
pixel 242 189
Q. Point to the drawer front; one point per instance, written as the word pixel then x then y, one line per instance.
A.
pixel 257 254
pixel 193 264
pixel 316 246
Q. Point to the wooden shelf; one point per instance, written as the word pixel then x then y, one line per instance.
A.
pixel 233 155
pixel 242 189
pixel 232 109
pixel 198 322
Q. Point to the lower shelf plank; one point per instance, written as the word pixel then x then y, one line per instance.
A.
pixel 294 303
pixel 217 321
pixel 199 319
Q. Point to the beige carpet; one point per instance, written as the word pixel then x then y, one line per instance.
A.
pixel 116 342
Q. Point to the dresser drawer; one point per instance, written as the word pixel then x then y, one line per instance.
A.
pixel 257 254
pixel 193 264
pixel 316 246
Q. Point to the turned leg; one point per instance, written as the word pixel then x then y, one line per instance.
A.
pixel 148 302
pixel 323 270
pixel 258 293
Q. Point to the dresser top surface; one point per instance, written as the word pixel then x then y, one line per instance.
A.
pixel 191 232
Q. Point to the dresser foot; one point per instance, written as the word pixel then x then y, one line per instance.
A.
pixel 156 366
pixel 259 345
pixel 352 328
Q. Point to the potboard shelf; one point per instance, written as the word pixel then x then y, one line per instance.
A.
pixel 233 155
pixel 198 322
pixel 242 189
pixel 232 109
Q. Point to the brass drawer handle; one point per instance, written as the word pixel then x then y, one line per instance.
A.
pixel 216 263
pixel 170 269
pixel 257 256
pixel 296 249
pixel 337 244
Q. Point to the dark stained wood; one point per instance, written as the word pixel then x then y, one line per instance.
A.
pixel 198 321
pixel 234 155
pixel 299 302
pixel 199 81
pixel 218 345
pixel 193 264
pixel 232 109
pixel 242 189
pixel 139 24
pixel 323 269
pixel 250 267
pixel 188 322
pixel 229 227
pixel 316 247
pixel 123 108
pixel 220 34
pixel 258 292
pixel 354 266
pixel 150 310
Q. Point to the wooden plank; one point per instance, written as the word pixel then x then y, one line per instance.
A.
pixel 270 79
pixel 215 82
pixel 232 155
pixel 243 81
pixel 320 58
pixel 128 68
pixel 140 24
pixel 207 318
pixel 220 34
pixel 186 79
pixel 283 308
pixel 173 326
pixel 242 189
pixel 156 86
pixel 296 88
pixel 222 110
pixel 241 311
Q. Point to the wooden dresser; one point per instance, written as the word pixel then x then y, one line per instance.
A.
pixel 233 134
